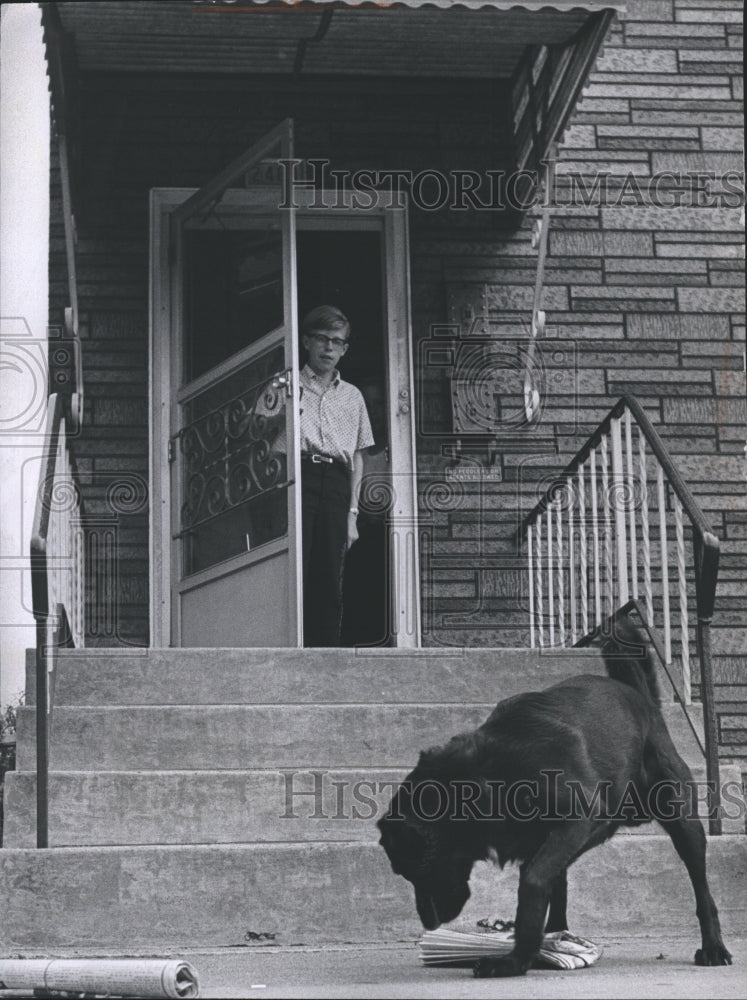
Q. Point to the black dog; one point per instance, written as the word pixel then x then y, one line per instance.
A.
pixel 548 776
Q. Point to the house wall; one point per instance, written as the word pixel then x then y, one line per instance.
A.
pixel 640 297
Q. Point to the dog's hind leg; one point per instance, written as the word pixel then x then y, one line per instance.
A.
pixel 689 840
pixel 537 881
pixel 557 919
pixel 673 792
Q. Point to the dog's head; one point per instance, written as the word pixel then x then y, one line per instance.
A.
pixel 427 844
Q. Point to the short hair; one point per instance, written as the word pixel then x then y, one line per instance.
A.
pixel 325 318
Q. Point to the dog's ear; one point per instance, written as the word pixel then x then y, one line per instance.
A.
pixel 406 843
pixel 457 771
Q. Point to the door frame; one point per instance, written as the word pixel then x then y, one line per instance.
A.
pixel 313 213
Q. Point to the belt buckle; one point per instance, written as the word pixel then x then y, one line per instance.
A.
pixel 317 459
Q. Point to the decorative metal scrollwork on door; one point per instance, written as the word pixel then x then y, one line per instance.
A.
pixel 235 452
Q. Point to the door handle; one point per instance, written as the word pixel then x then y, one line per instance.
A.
pixel 284 380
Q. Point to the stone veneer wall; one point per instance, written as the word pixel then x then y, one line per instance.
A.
pixel 641 298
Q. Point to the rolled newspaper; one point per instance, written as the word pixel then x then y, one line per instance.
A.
pixel 110 977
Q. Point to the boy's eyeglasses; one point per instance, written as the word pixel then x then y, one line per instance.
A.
pixel 323 341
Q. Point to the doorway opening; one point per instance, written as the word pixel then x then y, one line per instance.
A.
pixel 211 363
pixel 344 268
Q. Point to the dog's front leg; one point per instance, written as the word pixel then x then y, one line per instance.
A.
pixel 538 877
pixel 534 896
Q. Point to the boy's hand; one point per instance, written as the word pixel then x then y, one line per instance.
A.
pixel 352 528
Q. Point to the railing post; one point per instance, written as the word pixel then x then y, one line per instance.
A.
pixel 608 558
pixel 664 557
pixel 538 589
pixel 595 539
pixel 706 554
pixel 584 569
pixel 561 579
pixel 645 535
pixel 631 506
pixel 530 569
pixel 618 493
pixel 42 732
pixel 682 590
pixel 713 777
pixel 550 579
pixel 572 562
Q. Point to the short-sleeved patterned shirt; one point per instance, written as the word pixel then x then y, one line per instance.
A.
pixel 334 419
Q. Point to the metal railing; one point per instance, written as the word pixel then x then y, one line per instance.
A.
pixel 620 530
pixel 57 584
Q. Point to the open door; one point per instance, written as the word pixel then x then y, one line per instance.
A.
pixel 234 460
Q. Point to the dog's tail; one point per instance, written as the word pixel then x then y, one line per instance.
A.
pixel 627 658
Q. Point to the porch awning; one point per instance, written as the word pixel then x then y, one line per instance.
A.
pixel 440 4
pixel 542 49
pixel 453 38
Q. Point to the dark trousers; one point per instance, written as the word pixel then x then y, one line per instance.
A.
pixel 325 501
pixel 365 611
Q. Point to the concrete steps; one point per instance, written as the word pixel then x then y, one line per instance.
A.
pixel 147 899
pixel 306 676
pixel 332 729
pixel 110 808
pixel 156 779
pixel 203 807
pixel 187 737
pixel 193 766
pixel 197 795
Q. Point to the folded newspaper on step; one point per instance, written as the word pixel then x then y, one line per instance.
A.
pixel 560 949
pixel 93 977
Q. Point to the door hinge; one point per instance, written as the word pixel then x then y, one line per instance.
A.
pixel 172 449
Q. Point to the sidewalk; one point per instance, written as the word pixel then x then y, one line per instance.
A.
pixel 641 967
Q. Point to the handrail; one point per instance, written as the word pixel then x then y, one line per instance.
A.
pixel 44 561
pixel 39 592
pixel 567 565
pixel 689 503
pixel 707 577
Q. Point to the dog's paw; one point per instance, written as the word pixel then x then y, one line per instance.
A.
pixel 714 954
pixel 498 968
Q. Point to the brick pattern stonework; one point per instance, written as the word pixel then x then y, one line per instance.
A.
pixel 644 295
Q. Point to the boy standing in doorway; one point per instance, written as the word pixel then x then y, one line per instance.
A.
pixel 334 432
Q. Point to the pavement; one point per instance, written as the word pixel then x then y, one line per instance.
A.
pixel 639 967
pixel 632 968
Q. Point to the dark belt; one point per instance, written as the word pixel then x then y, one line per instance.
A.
pixel 317 459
